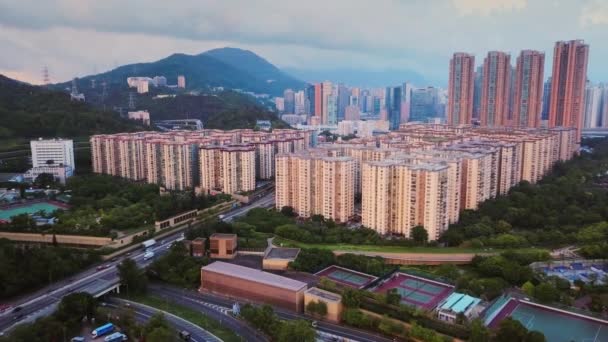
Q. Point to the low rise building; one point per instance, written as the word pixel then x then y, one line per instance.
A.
pixel 222 246
pixel 198 247
pixel 253 285
pixel 333 301
pixel 278 258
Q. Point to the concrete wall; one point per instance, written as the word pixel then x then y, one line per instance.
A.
pixel 75 240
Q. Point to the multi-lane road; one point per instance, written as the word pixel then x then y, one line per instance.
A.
pixel 94 281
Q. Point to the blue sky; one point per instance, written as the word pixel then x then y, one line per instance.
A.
pixel 80 37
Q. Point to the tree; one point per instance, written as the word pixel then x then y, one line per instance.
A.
pixel 288 211
pixel 158 329
pixel 351 298
pixel 45 180
pixel 296 331
pixel 317 308
pixel 546 293
pixel 510 330
pixel 528 288
pixel 313 260
pixel 393 297
pixel 133 278
pixel 535 336
pixel 419 234
pixel 479 332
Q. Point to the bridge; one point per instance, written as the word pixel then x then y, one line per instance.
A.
pixel 169 125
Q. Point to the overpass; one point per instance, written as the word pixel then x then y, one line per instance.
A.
pixel 168 125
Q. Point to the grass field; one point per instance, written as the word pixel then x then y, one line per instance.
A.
pixel 389 249
pixel 188 314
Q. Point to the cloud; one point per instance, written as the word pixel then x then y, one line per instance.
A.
pixel 595 13
pixel 75 37
pixel 487 7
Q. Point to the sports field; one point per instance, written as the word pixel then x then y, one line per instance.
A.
pixel 555 324
pixel 346 277
pixel 6 214
pixel 417 291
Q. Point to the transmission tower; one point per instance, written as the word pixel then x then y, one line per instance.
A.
pixel 45 76
pixel 104 93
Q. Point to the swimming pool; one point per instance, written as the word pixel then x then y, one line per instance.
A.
pixel 6 214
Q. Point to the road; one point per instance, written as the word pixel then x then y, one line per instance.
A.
pixel 199 301
pixel 43 301
pixel 143 314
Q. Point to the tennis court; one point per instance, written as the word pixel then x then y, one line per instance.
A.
pixel 416 291
pixel 7 213
pixel 347 277
pixel 555 324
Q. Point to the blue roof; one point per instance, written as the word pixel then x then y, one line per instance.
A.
pixel 459 302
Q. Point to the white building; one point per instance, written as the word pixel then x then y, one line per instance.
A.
pixel 140 115
pixel 143 87
pixel 52 152
pixel 181 81
pixel 60 173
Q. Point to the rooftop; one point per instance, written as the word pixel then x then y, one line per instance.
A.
pixel 459 302
pixel 330 296
pixel 222 236
pixel 282 253
pixel 254 275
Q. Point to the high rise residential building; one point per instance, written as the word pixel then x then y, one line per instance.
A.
pixel 318 104
pixel 343 101
pixel 227 169
pixel 495 88
pixel 47 152
pixel 528 92
pixel 181 81
pixel 397 196
pixel 460 89
pixel 546 99
pixel 314 183
pixel 327 93
pixel 425 104
pixel 279 103
pixel 290 102
pixel 568 84
pixel 332 109
pixel 477 92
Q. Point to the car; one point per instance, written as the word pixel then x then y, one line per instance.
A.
pixel 113 259
pixel 17 309
pixel 128 254
pixel 184 335
pixel 314 324
pixel 102 267
pixel 17 317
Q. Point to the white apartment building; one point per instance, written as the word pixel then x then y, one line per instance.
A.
pixel 52 152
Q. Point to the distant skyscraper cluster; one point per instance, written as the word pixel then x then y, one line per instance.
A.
pixel 498 95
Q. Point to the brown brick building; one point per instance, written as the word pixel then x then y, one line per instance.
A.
pixel 222 246
pixel 253 285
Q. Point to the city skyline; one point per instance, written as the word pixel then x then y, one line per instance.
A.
pixel 31 42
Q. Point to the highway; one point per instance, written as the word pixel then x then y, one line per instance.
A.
pixel 199 301
pixel 91 280
pixel 143 313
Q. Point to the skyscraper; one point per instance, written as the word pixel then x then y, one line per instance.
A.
pixel 343 100
pixel 310 99
pixel 406 100
pixel 460 89
pixel 393 106
pixel 327 92
pixel 495 88
pixel 593 106
pixel 568 85
pixel 477 92
pixel 318 104
pixel 546 99
pixel 299 102
pixel 290 101
pixel 332 109
pixel 424 104
pixel 527 103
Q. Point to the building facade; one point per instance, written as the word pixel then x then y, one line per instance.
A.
pixel 528 97
pixel 460 89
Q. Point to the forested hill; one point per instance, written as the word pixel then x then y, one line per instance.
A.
pixel 28 111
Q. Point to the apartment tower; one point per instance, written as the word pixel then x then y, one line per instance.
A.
pixel 528 99
pixel 460 89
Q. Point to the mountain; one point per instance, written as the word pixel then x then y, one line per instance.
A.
pixel 361 78
pixel 227 67
pixel 28 111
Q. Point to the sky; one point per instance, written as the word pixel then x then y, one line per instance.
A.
pixel 81 37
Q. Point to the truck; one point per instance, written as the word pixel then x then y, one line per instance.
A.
pixel 185 335
pixel 115 337
pixel 148 243
pixel 102 330
pixel 148 256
